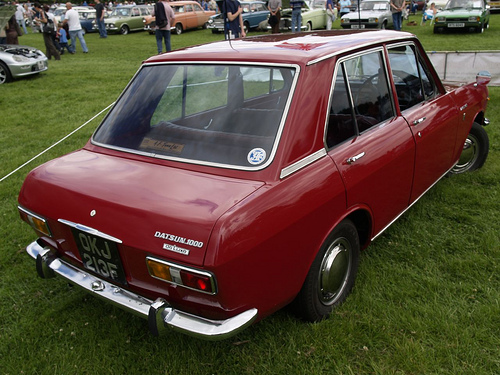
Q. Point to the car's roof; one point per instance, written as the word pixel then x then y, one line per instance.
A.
pixel 289 48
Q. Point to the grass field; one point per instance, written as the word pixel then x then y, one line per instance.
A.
pixel 426 301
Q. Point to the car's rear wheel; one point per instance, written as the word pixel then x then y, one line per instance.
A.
pixel 178 29
pixel 124 30
pixel 246 27
pixel 5 75
pixel 309 26
pixel 474 152
pixel 331 276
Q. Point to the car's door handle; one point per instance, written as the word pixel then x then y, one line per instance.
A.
pixel 352 159
pixel 420 120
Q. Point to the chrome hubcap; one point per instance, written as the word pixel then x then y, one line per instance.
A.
pixel 334 271
pixel 468 156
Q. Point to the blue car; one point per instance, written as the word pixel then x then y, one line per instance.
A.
pixel 254 12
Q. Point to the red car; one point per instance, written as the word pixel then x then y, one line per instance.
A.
pixel 234 178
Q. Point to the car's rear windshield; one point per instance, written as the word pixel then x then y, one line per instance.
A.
pixel 222 115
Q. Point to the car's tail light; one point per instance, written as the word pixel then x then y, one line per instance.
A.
pixel 190 278
pixel 38 223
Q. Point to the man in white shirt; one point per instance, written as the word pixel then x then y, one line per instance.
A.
pixel 20 13
pixel 75 29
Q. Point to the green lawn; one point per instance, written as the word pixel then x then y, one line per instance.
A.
pixel 426 301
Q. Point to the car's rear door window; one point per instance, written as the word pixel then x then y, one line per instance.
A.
pixel 361 97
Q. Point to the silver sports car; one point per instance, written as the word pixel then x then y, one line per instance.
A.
pixel 19 61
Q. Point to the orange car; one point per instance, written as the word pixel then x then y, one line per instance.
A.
pixel 188 15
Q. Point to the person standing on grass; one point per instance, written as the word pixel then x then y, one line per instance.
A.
pixel 75 29
pixel 99 12
pixel 47 32
pixel 296 14
pixel 164 18
pixel 20 14
pixel 331 13
pixel 275 15
pixel 397 7
pixel 235 28
pixel 345 7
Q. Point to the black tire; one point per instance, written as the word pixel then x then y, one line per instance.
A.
pixel 309 26
pixel 246 27
pixel 124 30
pixel 331 276
pixel 475 151
pixel 178 29
pixel 5 75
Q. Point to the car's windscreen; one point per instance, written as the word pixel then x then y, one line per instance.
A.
pixel 227 115
pixel 371 5
pixel 461 4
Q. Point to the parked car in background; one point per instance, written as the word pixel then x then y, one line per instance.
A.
pixel 373 14
pixel 20 61
pixel 87 17
pixel 127 18
pixel 313 16
pixel 464 15
pixel 188 15
pixel 494 5
pixel 228 181
pixel 254 12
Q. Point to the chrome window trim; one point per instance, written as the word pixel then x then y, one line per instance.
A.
pixel 360 46
pixel 287 171
pixel 279 133
pixel 87 229
pixel 379 49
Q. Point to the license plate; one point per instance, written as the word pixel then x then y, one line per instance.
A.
pixel 40 65
pixel 456 24
pixel 100 256
pixel 357 26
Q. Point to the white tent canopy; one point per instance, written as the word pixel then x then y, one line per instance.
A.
pixel 464 66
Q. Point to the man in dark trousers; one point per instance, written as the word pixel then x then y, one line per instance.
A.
pixel 100 12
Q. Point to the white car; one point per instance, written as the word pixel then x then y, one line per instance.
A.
pixel 20 61
pixel 372 14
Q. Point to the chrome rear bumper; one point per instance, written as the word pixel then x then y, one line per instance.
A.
pixel 161 316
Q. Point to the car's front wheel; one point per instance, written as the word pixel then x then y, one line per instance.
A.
pixel 331 276
pixel 124 30
pixel 5 75
pixel 474 152
pixel 178 29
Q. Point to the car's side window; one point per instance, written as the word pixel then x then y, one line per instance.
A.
pixel 361 98
pixel 341 123
pixel 412 79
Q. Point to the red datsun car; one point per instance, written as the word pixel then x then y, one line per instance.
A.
pixel 232 179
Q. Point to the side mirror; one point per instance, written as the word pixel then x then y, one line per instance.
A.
pixel 483 77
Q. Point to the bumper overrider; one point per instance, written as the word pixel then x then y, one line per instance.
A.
pixel 160 315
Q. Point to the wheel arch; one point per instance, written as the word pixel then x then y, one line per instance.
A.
pixel 362 220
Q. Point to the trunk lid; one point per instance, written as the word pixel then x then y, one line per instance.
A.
pixel 158 209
